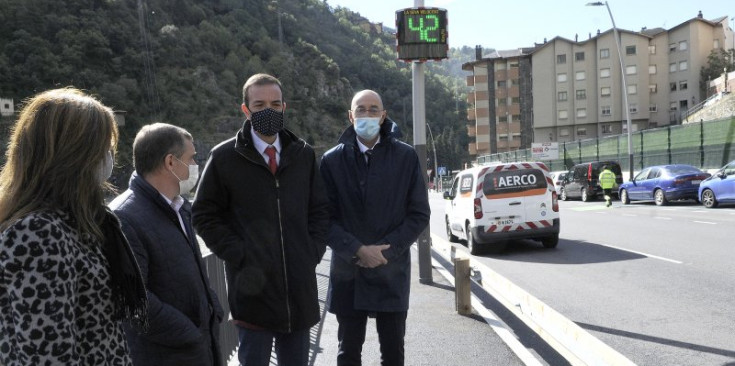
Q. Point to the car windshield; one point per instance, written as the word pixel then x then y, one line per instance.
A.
pixel 682 169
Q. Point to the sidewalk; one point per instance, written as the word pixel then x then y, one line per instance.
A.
pixel 435 333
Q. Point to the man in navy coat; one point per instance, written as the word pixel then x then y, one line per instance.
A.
pixel 379 206
pixel 184 312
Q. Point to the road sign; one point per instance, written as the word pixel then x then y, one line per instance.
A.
pixel 442 170
pixel 421 33
pixel 545 150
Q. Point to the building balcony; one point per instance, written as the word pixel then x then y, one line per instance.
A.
pixel 472 149
pixel 471 80
pixel 501 93
pixel 501 75
pixel 471 131
pixel 471 114
pixel 471 97
pixel 514 144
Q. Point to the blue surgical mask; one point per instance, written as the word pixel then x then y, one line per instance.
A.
pixel 367 127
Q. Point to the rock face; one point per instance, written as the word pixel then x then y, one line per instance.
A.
pixel 716 109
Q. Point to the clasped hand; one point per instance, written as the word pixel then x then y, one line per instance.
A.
pixel 371 256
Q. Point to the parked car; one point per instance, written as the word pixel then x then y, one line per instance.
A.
pixel 663 183
pixel 719 188
pixel 581 180
pixel 491 204
pixel 558 178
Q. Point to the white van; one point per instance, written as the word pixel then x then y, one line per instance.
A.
pixel 493 203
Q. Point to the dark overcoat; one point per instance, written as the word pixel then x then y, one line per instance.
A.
pixel 383 202
pixel 184 313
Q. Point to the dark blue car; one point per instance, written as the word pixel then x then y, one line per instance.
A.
pixel 663 183
pixel 719 188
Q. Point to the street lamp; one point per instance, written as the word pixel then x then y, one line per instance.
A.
pixel 433 147
pixel 625 87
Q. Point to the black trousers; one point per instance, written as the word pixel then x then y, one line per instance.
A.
pixel 391 328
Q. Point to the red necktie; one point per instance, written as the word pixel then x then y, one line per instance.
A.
pixel 271 152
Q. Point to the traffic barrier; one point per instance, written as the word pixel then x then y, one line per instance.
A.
pixel 575 344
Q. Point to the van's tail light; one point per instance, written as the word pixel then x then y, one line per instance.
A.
pixel 589 172
pixel 554 202
pixel 478 208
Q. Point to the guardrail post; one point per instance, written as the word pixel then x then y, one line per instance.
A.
pixel 462 286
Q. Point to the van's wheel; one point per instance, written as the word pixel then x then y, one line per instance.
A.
pixel 564 194
pixel 550 241
pixel 624 197
pixel 585 195
pixel 452 238
pixel 660 198
pixel 471 243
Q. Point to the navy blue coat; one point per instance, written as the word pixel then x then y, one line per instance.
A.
pixel 183 311
pixel 386 202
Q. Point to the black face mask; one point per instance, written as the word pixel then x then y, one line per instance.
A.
pixel 267 122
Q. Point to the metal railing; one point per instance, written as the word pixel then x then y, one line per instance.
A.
pixel 228 338
pixel 707 145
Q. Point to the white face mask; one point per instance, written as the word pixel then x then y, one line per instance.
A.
pixel 106 168
pixel 367 127
pixel 185 186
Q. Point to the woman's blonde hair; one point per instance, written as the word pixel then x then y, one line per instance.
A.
pixel 54 159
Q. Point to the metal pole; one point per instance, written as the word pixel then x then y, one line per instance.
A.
pixel 419 142
pixel 436 166
pixel 625 92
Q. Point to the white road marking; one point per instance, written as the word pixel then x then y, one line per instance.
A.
pixel 637 252
pixel 630 215
pixel 706 222
pixel 662 218
pixel 700 211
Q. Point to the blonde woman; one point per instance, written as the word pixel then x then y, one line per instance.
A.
pixel 67 275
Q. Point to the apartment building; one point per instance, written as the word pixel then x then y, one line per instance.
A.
pixel 578 89
pixel 501 109
pixel 566 90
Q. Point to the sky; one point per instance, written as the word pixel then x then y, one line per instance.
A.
pixel 512 24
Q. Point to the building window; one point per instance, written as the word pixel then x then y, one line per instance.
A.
pixel 516 117
pixel 683 85
pixel 672 67
pixel 604 53
pixel 672 47
pixel 607 129
pixel 672 86
pixel 562 78
pixel 683 46
pixel 633 108
pixel 515 100
pixel 503 119
pixel 579 75
pixel 515 82
pixel 579 56
pixel 500 66
pixel 605 110
pixel 630 50
pixel 581 94
pixel 672 106
pixel 652 49
pixel 513 64
pixel 651 69
pixel 564 132
pixel 581 112
pixel 652 88
pixel 582 131
pixel 502 101
pixel 502 84
pixel 683 65
pixel 604 73
pixel 561 59
pixel 631 70
pixel 563 114
pixel 653 108
pixel 605 91
pixel 632 89
pixel 561 96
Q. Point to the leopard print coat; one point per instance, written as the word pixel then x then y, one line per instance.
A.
pixel 55 299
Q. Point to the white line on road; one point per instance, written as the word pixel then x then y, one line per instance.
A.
pixel 637 252
pixel 630 215
pixel 662 218
pixel 706 222
pixel 699 211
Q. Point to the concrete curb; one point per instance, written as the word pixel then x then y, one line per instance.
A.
pixel 575 344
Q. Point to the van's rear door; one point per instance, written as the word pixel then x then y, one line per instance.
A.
pixel 514 194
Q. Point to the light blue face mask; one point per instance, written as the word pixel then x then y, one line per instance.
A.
pixel 367 127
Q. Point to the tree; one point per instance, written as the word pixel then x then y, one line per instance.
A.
pixel 718 61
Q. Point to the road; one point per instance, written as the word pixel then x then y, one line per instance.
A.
pixel 655 283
